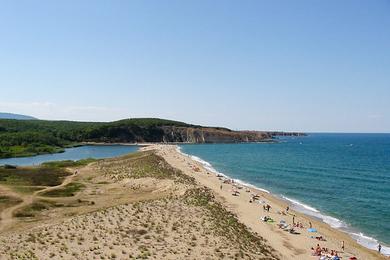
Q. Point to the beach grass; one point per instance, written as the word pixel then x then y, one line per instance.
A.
pixel 8 201
pixel 69 163
pixel 32 176
pixel 26 189
pixel 33 209
pixel 68 190
pixel 142 165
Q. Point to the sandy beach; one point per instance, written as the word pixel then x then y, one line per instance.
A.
pixel 289 246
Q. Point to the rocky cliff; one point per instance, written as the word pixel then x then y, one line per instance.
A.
pixel 211 135
pixel 177 134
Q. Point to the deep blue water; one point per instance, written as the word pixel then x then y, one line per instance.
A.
pixel 344 179
pixel 77 153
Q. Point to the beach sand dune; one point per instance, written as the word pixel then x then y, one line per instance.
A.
pixel 132 207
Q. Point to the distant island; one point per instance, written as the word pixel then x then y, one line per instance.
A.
pixel 15 116
pixel 31 137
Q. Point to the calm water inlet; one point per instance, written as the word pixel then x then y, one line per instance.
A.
pixel 76 153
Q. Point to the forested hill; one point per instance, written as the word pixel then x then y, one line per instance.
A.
pixel 15 116
pixel 30 137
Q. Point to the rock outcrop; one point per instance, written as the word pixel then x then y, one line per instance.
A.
pixel 211 135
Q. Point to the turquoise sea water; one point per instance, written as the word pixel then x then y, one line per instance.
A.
pixel 343 179
pixel 77 153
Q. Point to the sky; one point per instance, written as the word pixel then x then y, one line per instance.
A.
pixel 314 66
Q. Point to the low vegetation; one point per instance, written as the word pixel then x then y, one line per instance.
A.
pixel 69 163
pixel 32 176
pixel 142 165
pixel 8 201
pixel 36 208
pixel 68 190
pixel 27 189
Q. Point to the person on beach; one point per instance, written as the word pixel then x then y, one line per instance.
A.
pixel 318 250
pixel 379 248
pixel 342 246
pixel 287 209
pixel 221 187
pixel 310 224
pixel 294 220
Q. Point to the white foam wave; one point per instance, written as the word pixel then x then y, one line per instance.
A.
pixel 204 163
pixel 362 239
pixel 210 168
pixel 334 222
pixel 370 243
pixel 300 204
pixel 311 211
pixel 250 185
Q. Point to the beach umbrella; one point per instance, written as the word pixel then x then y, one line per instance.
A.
pixel 312 230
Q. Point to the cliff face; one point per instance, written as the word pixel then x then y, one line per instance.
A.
pixel 211 135
pixel 178 134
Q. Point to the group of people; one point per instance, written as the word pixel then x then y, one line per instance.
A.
pixel 298 225
pixel 266 207
pixel 325 253
pixel 320 238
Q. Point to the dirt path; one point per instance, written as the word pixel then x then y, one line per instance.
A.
pixel 7 218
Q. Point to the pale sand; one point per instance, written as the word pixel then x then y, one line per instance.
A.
pixel 289 246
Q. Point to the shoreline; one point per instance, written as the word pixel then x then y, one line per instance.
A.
pixel 335 223
pixel 298 246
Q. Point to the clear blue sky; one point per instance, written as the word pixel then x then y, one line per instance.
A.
pixel 266 65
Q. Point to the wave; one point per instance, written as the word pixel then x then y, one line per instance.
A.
pixel 370 242
pixel 362 239
pixel 210 168
pixel 308 210
pixel 300 204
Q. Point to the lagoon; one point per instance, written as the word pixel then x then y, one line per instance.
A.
pixel 75 153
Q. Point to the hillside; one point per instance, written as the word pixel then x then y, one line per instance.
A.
pixel 15 116
pixel 30 137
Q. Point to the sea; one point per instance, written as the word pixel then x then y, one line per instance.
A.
pixel 341 179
